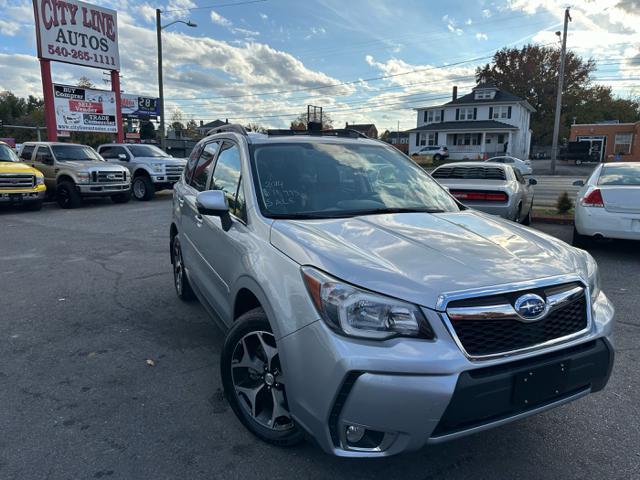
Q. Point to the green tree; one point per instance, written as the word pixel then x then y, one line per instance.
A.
pixel 300 123
pixel 385 136
pixel 147 130
pixel 531 72
pixel 85 82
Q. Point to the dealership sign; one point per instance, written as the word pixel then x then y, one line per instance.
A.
pixel 76 32
pixel 135 106
pixel 79 109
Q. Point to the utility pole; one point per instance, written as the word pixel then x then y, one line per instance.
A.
pixel 556 122
pixel 159 28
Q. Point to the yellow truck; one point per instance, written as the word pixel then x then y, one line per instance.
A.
pixel 20 184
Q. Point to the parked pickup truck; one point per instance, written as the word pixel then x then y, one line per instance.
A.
pixel 73 171
pixel 152 169
pixel 19 183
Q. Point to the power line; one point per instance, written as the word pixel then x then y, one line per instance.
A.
pixel 221 5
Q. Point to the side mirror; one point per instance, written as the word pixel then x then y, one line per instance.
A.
pixel 533 181
pixel 214 203
pixel 123 157
pixel 578 183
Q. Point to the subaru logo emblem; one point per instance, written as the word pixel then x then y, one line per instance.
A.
pixel 530 307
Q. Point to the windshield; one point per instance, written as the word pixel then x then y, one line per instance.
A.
pixel 620 175
pixel 325 180
pixel 7 154
pixel 75 153
pixel 146 151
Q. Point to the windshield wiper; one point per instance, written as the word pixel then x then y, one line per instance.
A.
pixel 380 211
pixel 350 213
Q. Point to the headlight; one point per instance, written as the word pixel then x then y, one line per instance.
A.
pixel 158 168
pixel 593 277
pixel 360 313
pixel 83 177
pixel 39 180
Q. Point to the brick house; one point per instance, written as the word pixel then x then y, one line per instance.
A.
pixel 400 140
pixel 610 139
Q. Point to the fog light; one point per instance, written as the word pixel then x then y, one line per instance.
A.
pixel 355 433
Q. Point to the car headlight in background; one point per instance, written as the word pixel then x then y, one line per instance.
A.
pixel 83 177
pixel 158 168
pixel 39 180
pixel 360 313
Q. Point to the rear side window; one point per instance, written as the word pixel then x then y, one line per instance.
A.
pixel 204 166
pixel 518 175
pixel 620 175
pixel 42 153
pixel 26 152
pixel 472 173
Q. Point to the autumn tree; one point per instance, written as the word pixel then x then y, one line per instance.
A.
pixel 531 72
pixel 255 127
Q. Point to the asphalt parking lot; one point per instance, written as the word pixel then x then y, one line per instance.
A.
pixel 88 304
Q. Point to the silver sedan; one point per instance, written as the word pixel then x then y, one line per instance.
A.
pixel 494 188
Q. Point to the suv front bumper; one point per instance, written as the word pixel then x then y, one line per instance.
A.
pixel 101 189
pixel 407 393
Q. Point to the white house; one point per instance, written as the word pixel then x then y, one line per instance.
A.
pixel 487 121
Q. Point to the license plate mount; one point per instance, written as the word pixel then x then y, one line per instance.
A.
pixel 540 384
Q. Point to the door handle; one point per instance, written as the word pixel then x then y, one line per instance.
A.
pixel 181 201
pixel 198 218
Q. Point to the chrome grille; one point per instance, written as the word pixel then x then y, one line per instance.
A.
pixel 489 325
pixel 174 170
pixel 102 176
pixel 17 180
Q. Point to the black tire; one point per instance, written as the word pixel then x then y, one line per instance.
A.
pixel 579 240
pixel 527 220
pixel 518 214
pixel 33 206
pixel 67 195
pixel 123 197
pixel 142 188
pixel 250 325
pixel 180 280
pixel 437 157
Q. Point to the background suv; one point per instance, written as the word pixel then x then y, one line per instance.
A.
pixel 73 171
pixel 151 168
pixel 366 306
pixel 436 151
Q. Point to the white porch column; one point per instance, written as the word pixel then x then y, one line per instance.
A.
pixel 483 147
pixel 509 146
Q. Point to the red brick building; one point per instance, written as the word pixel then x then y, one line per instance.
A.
pixel 610 139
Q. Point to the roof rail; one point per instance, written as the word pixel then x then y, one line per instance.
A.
pixel 230 127
pixel 336 132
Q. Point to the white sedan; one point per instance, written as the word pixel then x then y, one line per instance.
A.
pixel 523 165
pixel 608 204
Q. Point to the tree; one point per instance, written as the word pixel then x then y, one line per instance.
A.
pixel 85 82
pixel 255 127
pixel 177 120
pixel 386 136
pixel 147 130
pixel 564 203
pixel 300 123
pixel 191 129
pixel 531 72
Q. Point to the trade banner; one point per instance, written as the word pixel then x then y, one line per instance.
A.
pixel 80 109
pixel 76 32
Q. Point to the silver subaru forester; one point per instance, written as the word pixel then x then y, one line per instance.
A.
pixel 365 306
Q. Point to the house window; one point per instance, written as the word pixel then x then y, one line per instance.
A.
pixel 484 95
pixel 433 116
pixel 466 114
pixel 501 112
pixel 423 139
pixel 501 138
pixel 622 143
pixel 431 139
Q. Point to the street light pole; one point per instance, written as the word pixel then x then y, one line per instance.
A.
pixel 556 122
pixel 163 141
pixel 159 28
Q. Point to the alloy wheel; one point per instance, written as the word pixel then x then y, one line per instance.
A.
pixel 63 197
pixel 177 266
pixel 258 382
pixel 139 189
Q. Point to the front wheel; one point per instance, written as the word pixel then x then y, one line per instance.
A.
pixel 437 157
pixel 254 382
pixel 143 188
pixel 67 195
pixel 527 220
pixel 579 240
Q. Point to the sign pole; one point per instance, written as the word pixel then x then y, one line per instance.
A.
pixel 115 87
pixel 47 90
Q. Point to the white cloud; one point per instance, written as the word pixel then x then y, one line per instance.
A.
pixel 481 36
pixel 468 21
pixel 264 16
pixel 452 25
pixel 315 32
pixel 220 20
pixel 147 13
pixel 9 28
pixel 486 13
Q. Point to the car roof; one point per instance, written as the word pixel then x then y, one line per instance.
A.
pixel 473 164
pixel 264 139
pixel 624 164
pixel 53 143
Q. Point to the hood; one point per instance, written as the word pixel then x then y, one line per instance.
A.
pixel 419 256
pixel 17 167
pixel 162 160
pixel 89 166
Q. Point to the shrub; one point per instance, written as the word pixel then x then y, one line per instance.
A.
pixel 564 204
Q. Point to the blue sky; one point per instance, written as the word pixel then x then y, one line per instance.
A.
pixel 294 47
